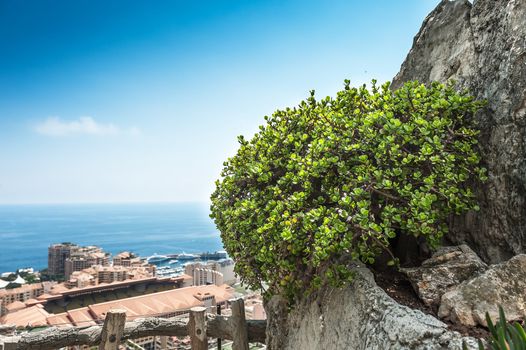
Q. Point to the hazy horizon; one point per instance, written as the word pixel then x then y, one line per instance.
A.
pixel 105 203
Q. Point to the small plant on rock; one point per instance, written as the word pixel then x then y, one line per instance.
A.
pixel 334 180
pixel 504 336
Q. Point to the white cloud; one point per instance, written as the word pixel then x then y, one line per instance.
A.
pixel 54 126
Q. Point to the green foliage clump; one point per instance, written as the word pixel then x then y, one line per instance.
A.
pixel 504 336
pixel 334 180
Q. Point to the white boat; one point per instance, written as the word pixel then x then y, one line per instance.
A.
pixel 156 258
pixel 185 256
pixel 173 262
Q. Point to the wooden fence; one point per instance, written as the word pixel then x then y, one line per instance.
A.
pixel 199 326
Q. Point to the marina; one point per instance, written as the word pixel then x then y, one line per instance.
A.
pixel 174 258
pixel 172 265
pixel 156 258
pixel 185 256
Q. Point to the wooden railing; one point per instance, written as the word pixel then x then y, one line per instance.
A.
pixel 199 326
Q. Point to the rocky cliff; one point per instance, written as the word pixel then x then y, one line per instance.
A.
pixel 359 317
pixel 483 47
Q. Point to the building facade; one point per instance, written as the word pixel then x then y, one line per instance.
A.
pixel 212 272
pixel 20 294
pixel 111 274
pixel 85 258
pixel 57 256
pixel 204 276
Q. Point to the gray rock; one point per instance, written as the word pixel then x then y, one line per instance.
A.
pixel 445 269
pixel 483 47
pixel 503 284
pixel 357 317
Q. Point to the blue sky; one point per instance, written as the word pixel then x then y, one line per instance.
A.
pixel 141 101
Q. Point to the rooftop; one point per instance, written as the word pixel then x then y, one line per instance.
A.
pixel 34 316
pixel 156 304
pixel 22 289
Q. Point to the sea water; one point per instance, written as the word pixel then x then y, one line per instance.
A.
pixel 26 231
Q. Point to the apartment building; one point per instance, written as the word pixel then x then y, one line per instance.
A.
pixel 97 274
pixel 204 276
pixel 82 259
pixel 66 258
pixel 20 294
pixel 80 279
pixel 110 274
pixel 126 259
pixel 212 272
pixel 57 256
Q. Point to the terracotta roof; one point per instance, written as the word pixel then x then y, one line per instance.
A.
pixel 183 277
pixel 30 302
pixel 48 284
pixel 58 288
pixel 81 317
pixel 15 305
pixel 102 286
pixel 162 303
pixel 34 316
pixel 77 317
pixel 166 302
pixel 222 293
pixel 123 255
pixel 59 320
pixel 46 296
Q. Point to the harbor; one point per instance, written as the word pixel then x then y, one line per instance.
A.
pixel 166 265
pixel 173 265
pixel 158 258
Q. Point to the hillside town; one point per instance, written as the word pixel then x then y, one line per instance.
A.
pixel 82 283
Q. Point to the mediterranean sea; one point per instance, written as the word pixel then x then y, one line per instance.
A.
pixel 26 231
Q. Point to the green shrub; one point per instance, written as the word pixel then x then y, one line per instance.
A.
pixel 334 180
pixel 504 336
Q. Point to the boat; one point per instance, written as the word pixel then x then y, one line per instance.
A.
pixel 185 256
pixel 218 255
pixel 156 258
pixel 173 262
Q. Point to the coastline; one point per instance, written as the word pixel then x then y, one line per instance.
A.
pixel 27 231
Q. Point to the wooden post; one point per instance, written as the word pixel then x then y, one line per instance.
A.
pixel 197 328
pixel 164 342
pixel 238 325
pixel 113 329
pixel 9 345
pixel 218 311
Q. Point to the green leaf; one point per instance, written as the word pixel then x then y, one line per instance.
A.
pixel 341 177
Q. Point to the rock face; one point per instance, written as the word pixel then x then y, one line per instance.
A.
pixel 502 284
pixel 358 317
pixel 483 47
pixel 447 268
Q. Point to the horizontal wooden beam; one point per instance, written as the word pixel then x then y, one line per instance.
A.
pixel 7 328
pixel 52 338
